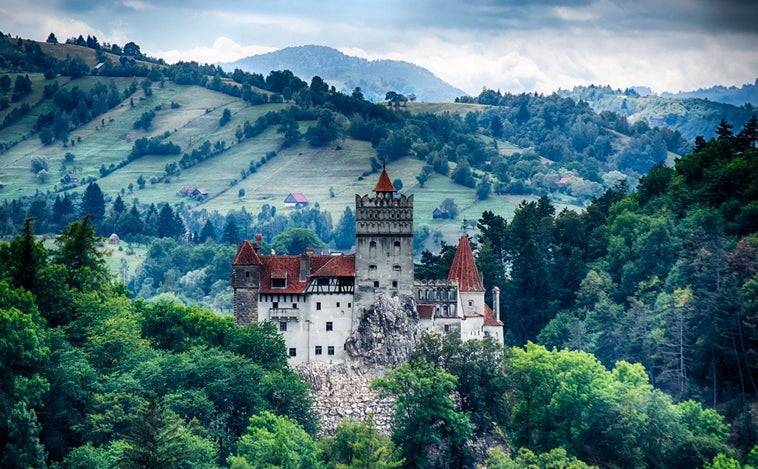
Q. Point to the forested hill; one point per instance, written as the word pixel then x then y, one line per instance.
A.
pixel 374 77
pixel 691 114
pixel 737 96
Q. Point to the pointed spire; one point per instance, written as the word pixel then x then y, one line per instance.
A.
pixel 384 186
pixel 464 268
pixel 247 255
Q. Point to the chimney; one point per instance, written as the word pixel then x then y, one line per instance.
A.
pixel 496 302
pixel 305 264
pixel 258 241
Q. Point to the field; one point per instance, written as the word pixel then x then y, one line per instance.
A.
pixel 327 176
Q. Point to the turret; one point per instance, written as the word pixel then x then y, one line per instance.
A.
pixel 246 279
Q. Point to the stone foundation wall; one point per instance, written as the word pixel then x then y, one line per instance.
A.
pixel 342 392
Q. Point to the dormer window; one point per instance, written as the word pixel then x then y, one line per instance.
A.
pixel 279 279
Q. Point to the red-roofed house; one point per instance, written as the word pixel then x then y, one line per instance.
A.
pixel 295 200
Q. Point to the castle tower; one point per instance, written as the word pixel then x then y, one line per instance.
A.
pixel 246 279
pixel 383 245
pixel 464 271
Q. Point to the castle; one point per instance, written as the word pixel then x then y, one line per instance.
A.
pixel 317 301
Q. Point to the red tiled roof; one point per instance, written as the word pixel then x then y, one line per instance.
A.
pixel 246 255
pixel 464 268
pixel 280 267
pixel 489 317
pixel 425 311
pixel 296 197
pixel 384 184
pixel 335 266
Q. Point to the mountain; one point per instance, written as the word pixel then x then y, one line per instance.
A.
pixel 345 73
pixel 747 93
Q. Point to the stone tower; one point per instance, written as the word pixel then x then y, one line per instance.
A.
pixel 246 280
pixel 383 245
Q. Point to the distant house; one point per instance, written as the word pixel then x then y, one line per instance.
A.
pixel 295 200
pixel 199 193
pixel 69 178
pixel 440 214
pixel 114 239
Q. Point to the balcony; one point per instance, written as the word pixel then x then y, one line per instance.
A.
pixel 283 314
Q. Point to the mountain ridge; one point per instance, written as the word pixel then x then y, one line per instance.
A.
pixel 346 72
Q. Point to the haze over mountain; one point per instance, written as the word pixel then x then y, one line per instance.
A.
pixel 345 73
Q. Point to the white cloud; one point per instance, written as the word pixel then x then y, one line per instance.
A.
pixel 222 50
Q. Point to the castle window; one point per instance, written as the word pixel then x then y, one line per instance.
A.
pixel 471 302
pixel 372 249
pixel 396 267
pixel 447 327
pixel 330 350
pixel 329 326
pixel 394 284
pixel 292 352
pixel 278 283
pixel 283 326
pixel 247 273
pixel 376 284
pixel 397 248
pixel 372 267
pixel 318 306
pixel 318 350
pixel 349 304
pixel 338 304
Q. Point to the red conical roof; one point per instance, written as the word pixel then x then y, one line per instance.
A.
pixel 464 268
pixel 246 255
pixel 384 184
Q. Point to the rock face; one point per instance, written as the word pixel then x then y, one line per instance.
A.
pixel 387 333
pixel 384 339
pixel 342 392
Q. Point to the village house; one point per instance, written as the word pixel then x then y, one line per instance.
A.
pixel 316 301
pixel 295 200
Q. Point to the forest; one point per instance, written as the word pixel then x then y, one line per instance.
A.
pixel 632 341
pixel 631 324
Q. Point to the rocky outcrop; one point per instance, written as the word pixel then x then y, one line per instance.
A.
pixel 386 334
pixel 342 392
pixel 385 338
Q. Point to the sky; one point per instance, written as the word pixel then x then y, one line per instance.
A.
pixel 508 45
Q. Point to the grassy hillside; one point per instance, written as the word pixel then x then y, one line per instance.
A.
pixel 327 176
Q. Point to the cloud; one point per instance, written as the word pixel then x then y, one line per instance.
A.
pixel 222 50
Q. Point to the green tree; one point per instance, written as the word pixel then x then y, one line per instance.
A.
pixel 426 425
pixel 158 439
pixel 274 441
pixel 93 203
pixel 231 233
pixel 344 232
pixel 170 224
pixel 225 117
pixel 295 241
pixel 359 445
pixel 84 263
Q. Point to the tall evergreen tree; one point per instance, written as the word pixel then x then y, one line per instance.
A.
pixel 93 203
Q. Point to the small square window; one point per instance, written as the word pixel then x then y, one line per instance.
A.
pixel 376 284
pixel 349 304
pixel 318 306
pixel 329 326
pixel 293 352
pixel 330 350
pixel 447 327
pixel 338 304
pixel 282 326
pixel 394 284
pixel 318 350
